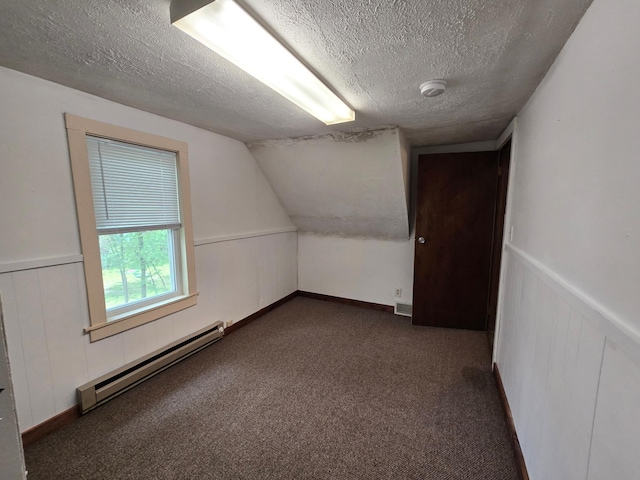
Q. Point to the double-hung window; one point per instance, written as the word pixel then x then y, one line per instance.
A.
pixel 135 224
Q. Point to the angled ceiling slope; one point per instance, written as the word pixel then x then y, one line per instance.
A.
pixel 352 184
pixel 374 54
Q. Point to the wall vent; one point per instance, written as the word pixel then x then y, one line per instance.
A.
pixel 108 386
pixel 402 308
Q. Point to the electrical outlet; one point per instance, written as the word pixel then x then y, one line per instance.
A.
pixel 398 292
pixel 228 323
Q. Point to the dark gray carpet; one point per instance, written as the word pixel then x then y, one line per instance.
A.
pixel 312 390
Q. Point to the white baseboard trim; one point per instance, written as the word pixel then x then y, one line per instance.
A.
pixel 610 324
pixel 239 236
pixel 39 263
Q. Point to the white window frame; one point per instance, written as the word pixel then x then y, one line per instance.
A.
pixel 100 326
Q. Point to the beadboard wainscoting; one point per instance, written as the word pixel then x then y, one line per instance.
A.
pixel 571 372
pixel 45 311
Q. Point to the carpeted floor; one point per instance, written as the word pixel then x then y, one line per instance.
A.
pixel 312 390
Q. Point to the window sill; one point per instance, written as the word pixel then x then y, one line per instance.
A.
pixel 135 318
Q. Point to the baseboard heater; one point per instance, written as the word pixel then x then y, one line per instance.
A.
pixel 106 387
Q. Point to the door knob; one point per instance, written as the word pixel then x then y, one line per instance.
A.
pixel 421 240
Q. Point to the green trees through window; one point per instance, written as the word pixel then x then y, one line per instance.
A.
pixel 137 266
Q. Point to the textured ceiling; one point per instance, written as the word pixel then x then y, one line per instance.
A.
pixel 374 53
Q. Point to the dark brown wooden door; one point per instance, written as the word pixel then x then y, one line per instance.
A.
pixel 455 213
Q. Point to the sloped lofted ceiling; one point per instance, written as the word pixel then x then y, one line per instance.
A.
pixel 352 184
pixel 374 53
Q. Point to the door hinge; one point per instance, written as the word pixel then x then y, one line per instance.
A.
pixel 499 171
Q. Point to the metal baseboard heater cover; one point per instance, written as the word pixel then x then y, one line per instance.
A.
pixel 106 387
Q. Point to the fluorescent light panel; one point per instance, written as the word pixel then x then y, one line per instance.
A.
pixel 230 31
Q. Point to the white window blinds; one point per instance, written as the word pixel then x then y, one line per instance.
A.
pixel 134 188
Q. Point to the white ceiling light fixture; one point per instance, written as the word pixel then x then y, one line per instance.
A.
pixel 433 88
pixel 227 29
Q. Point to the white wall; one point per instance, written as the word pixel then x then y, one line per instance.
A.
pixel 246 246
pixel 569 338
pixel 364 269
pixel 349 195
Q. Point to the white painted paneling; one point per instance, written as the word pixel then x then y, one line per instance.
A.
pixel 512 295
pixel 11 453
pixel 275 257
pixel 50 356
pixel 537 387
pixel 556 405
pixel 210 279
pixel 268 259
pixel 238 292
pixel 135 343
pixel 550 358
pixel 104 356
pixel 160 333
pixel 569 397
pixel 65 342
pixel 616 430
pixel 16 352
pixel 191 319
pixel 524 358
pixel 34 343
pixel 236 267
pixel 147 338
pixel 358 268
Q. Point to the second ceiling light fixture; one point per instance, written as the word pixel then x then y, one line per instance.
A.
pixel 227 29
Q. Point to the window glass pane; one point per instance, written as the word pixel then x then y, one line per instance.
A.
pixel 137 266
